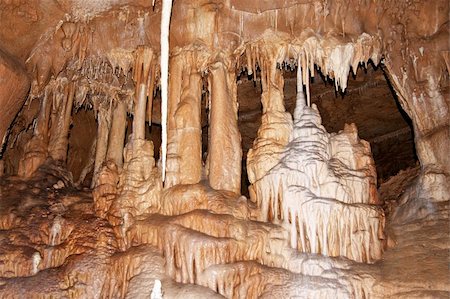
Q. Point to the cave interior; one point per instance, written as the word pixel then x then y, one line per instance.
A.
pixel 237 149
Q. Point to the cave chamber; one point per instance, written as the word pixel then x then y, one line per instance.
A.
pixel 237 149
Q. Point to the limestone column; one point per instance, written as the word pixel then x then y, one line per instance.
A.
pixel 184 161
pixel 172 163
pixel 188 122
pixel 103 125
pixel 60 138
pixel 276 123
pixel 224 149
pixel 116 137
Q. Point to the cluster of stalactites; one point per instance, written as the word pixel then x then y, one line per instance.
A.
pixel 123 192
pixel 51 127
pixel 101 83
pixel 145 73
pixel 96 86
pixel 332 56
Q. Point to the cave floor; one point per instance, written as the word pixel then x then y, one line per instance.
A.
pixel 52 245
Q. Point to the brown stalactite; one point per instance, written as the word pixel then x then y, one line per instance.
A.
pixel 36 150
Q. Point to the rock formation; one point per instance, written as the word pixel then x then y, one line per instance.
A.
pixel 132 131
pixel 323 191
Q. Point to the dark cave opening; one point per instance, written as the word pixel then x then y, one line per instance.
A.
pixel 369 101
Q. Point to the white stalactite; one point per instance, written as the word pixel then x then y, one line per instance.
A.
pixel 165 24
pixel 300 95
pixel 308 93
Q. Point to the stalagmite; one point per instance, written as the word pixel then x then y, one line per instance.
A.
pixel 300 103
pixel 172 164
pixel 189 130
pixel 276 124
pixel 157 292
pixel 165 25
pixel 106 188
pixel 89 166
pixel 319 179
pixel 224 139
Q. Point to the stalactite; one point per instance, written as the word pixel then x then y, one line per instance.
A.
pixel 308 94
pixel 144 70
pixel 150 93
pixel 165 25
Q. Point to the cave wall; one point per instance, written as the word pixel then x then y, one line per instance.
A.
pixel 14 86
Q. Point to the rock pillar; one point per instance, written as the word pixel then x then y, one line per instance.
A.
pixel 224 149
pixel 184 164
